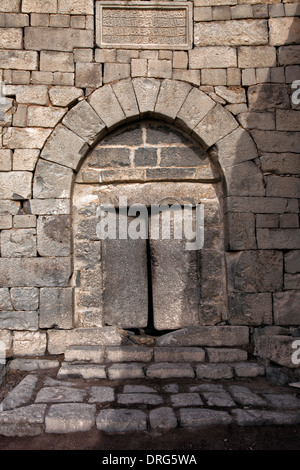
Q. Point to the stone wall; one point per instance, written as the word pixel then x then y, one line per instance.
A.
pixel 232 92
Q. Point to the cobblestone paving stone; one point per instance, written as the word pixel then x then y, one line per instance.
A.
pixel 49 401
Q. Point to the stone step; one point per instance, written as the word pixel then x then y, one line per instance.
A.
pixel 160 370
pixel 180 354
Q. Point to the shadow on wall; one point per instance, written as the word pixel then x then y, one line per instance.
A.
pixel 263 184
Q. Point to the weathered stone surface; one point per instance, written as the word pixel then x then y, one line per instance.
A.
pixel 82 371
pixel 277 349
pixel 214 371
pixel 34 272
pixel 179 354
pixel 88 75
pixel 289 55
pixel 139 398
pixel 215 125
pixel 76 7
pixel 190 417
pixel 33 364
pixel 58 341
pixel 196 105
pixel 121 420
pixel 248 369
pixel 25 421
pixel 21 394
pixel 128 353
pixel 268 96
pixel 128 308
pixel 15 185
pixel 186 399
pixel 212 57
pixel 216 398
pixel 18 243
pixel 250 309
pixel 286 239
pixel 57 39
pixel 169 370
pixel 241 231
pixel 162 418
pixel 64 95
pixel 106 105
pixel 292 261
pixel 172 95
pixel 17 138
pixel 286 308
pixel 65 418
pixel 244 179
pixel 56 308
pixel 65 147
pixel 48 206
pixel 18 60
pixel 283 400
pixel 245 397
pixel 54 235
pixel 60 394
pixel 226 355
pixel 259 56
pixel 27 343
pixel 282 186
pixel 236 147
pixel 231 33
pixel 52 181
pixel 40 116
pixel 261 205
pixel 101 395
pixel 39 6
pixel 94 354
pixel 19 320
pixel 206 336
pixel 255 271
pixel 146 91
pixel 125 371
pixel 264 417
pixel 284 30
pixel 5 299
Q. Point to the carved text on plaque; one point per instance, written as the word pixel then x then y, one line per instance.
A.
pixel 142 25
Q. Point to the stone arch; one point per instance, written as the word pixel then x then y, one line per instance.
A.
pixel 230 147
pixel 174 101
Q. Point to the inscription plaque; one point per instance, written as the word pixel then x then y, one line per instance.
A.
pixel 144 25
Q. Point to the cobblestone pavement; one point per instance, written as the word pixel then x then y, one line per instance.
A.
pixel 59 400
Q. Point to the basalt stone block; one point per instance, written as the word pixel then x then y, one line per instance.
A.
pixel 286 308
pixel 250 309
pixel 216 124
pixel 25 298
pixel 255 271
pixel 18 243
pixel 84 121
pixel 106 105
pixel 34 272
pixel 196 105
pixel 206 336
pixel 235 148
pixel 292 261
pixel 56 308
pixel 125 264
pixel 267 96
pixel 277 349
pixel 54 235
pixel 52 181
pixel 64 147
pixel 171 97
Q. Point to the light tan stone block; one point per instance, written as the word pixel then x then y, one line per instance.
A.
pixel 106 105
pixel 231 33
pixel 76 7
pixel 43 116
pixel 195 107
pixel 31 138
pixel 284 30
pixel 56 61
pixel 146 91
pixel 18 60
pixel 259 56
pixel 171 97
pixel 64 95
pixel 212 57
pixel 215 125
pixel 11 38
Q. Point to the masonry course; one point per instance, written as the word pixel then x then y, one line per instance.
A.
pixel 78 119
